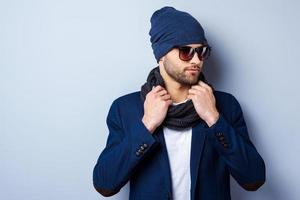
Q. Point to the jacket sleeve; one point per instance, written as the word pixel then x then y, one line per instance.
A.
pixel 232 142
pixel 121 154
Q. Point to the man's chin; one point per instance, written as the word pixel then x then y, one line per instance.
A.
pixel 189 83
pixel 193 81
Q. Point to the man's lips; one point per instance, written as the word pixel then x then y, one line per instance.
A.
pixel 193 70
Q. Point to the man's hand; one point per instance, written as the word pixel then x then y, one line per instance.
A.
pixel 155 107
pixel 204 102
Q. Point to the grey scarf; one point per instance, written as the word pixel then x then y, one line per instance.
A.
pixel 179 116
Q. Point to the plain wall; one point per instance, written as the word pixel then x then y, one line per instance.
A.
pixel 63 62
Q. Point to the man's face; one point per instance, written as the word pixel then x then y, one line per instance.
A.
pixel 183 72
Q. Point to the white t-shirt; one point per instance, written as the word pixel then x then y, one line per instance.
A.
pixel 179 148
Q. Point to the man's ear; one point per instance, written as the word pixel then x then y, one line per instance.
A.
pixel 161 59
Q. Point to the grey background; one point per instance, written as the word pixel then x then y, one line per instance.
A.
pixel 63 62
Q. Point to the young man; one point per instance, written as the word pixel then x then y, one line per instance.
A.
pixel 177 138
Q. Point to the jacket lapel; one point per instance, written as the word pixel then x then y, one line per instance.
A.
pixel 164 160
pixel 199 133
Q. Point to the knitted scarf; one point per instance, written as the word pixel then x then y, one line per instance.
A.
pixel 179 116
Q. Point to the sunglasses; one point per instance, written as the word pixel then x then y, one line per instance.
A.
pixel 186 53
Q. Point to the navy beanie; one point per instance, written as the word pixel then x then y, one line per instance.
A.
pixel 171 27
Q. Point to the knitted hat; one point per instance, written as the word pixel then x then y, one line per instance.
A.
pixel 171 27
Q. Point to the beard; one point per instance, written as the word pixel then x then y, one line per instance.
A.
pixel 182 77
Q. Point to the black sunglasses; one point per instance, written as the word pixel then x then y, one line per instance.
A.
pixel 186 53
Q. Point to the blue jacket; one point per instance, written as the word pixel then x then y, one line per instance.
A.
pixel 133 153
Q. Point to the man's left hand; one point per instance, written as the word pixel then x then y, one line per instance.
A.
pixel 204 102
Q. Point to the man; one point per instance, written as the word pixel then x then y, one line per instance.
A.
pixel 177 138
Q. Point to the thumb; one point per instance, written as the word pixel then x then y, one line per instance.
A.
pixel 189 96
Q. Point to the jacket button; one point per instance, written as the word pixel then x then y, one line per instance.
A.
pixel 142 147
pixel 223 142
pixel 138 153
pixel 219 134
pixel 140 150
pixel 145 145
pixel 221 138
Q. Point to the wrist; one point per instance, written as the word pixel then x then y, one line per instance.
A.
pixel 149 125
pixel 213 119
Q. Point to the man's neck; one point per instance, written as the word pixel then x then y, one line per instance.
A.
pixel 177 92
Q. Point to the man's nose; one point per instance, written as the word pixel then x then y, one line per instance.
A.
pixel 195 59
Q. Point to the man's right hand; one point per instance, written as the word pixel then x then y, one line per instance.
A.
pixel 156 106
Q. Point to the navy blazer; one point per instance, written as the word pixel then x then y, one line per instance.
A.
pixel 133 154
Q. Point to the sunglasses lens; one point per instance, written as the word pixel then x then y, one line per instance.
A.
pixel 203 52
pixel 186 53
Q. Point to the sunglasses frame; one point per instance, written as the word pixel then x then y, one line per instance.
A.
pixel 193 53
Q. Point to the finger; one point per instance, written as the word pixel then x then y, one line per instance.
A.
pixel 197 87
pixel 193 91
pixel 201 87
pixel 166 97
pixel 169 102
pixel 201 83
pixel 162 92
pixel 157 88
pixel 190 96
